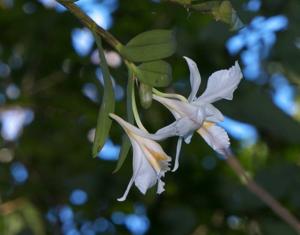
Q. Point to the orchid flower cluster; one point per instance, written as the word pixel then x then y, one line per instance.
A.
pixel 194 114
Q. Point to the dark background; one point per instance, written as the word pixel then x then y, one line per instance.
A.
pixel 50 95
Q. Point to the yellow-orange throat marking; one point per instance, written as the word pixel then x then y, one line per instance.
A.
pixel 158 156
pixel 208 124
pixel 203 129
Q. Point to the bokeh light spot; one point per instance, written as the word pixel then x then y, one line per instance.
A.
pixel 82 41
pixel 12 91
pixel 100 225
pixel 19 172
pixel 137 224
pixel 78 197
pixel 240 131
pixel 110 151
pixel 118 217
pixel 65 214
pixel 90 91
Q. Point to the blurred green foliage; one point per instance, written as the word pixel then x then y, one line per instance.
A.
pixel 57 153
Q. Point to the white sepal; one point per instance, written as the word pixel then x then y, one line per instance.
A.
pixel 221 85
pixel 182 127
pixel 129 128
pixel 178 108
pixel 136 165
pixel 195 78
pixel 178 149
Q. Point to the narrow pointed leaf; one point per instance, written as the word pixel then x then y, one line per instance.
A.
pixel 125 140
pixel 156 73
pixel 107 106
pixel 149 46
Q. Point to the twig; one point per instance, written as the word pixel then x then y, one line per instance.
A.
pixel 89 23
pixel 277 208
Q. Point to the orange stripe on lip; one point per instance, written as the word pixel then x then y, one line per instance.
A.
pixel 208 124
pixel 156 155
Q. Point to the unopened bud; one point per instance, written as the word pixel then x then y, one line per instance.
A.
pixel 223 12
pixel 145 92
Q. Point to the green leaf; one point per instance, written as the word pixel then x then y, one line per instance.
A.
pixel 221 10
pixel 33 218
pixel 125 147
pixel 150 45
pixel 12 223
pixel 156 73
pixel 22 216
pixel 125 140
pixel 145 92
pixel 107 106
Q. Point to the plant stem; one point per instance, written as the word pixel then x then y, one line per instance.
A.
pixel 277 208
pixel 89 23
pixel 136 113
pixel 169 95
pixel 186 4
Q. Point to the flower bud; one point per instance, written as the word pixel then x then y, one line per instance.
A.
pixel 145 92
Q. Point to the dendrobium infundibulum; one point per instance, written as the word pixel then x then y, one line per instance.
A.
pixel 198 114
pixel 150 162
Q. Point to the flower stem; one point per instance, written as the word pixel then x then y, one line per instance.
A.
pixel 135 112
pixel 261 193
pixel 186 4
pixel 169 95
pixel 90 24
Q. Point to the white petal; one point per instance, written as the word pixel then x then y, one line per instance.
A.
pixel 198 116
pixel 186 127
pixel 123 198
pixel 137 164
pixel 212 114
pixel 221 85
pixel 137 157
pixel 216 137
pixel 147 177
pixel 156 156
pixel 168 131
pixel 178 149
pixel 182 127
pixel 188 139
pixel 150 162
pixel 178 108
pixel 129 128
pixel 195 78
pixel 160 186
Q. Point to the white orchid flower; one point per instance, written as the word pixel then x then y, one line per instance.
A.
pixel 198 114
pixel 150 162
